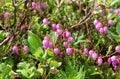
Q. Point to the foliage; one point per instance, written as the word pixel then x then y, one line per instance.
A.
pixel 59 39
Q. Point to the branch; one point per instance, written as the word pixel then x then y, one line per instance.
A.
pixel 14 5
pixel 5 40
pixel 86 18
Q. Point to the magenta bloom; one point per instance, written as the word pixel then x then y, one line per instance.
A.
pixel 50 45
pixel 111 10
pixel 105 29
pixel 45 44
pixel 115 68
pixel 47 38
pixel 15 49
pixel 94 56
pixel 7 15
pixel 39 6
pixel 59 31
pixel 58 26
pixel 54 28
pixel 95 22
pixel 66 34
pixel 117 48
pixel 118 12
pixel 26 49
pixel 100 61
pixel 43 5
pixel 91 52
pixel 113 58
pixel 86 51
pixel 56 51
pixel 110 22
pixel 109 61
pixel 98 26
pixel 70 39
pixel 101 30
pixel 69 51
pixel 45 21
pixel 65 44
pixel 34 5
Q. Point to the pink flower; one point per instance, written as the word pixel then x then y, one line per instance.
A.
pixel 34 5
pixel 15 49
pixel 26 49
pixel 7 15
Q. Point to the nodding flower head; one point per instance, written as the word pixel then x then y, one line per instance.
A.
pixel 7 15
pixel 15 49
pixel 26 49
pixel 34 5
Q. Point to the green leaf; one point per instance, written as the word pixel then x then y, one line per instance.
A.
pixel 79 39
pixel 111 16
pixel 54 37
pixel 40 70
pixel 50 52
pixel 114 2
pixel 118 28
pixel 38 53
pixel 25 42
pixel 34 40
pixel 114 36
pixel 55 64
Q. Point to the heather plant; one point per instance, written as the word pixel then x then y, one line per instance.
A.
pixel 59 39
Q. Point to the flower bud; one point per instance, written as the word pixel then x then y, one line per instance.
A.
pixel 69 51
pixel 7 15
pixel 34 5
pixel 15 49
pixel 56 51
pixel 100 61
pixel 26 49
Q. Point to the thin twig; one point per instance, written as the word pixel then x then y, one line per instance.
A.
pixel 88 31
pixel 86 18
pixel 5 40
pixel 14 5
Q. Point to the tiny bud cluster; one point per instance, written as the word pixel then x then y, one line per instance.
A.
pixel 99 26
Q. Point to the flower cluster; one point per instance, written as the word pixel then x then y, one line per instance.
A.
pixel 47 42
pixel 117 11
pixel 64 35
pixel 38 6
pixel 100 28
pixel 94 56
pixel 17 51
pixel 113 60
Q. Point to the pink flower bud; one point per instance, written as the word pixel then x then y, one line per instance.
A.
pixel 94 56
pixel 86 51
pixel 70 51
pixel 117 48
pixel 110 22
pixel 100 61
pixel 54 28
pixel 15 49
pixel 56 51
pixel 95 22
pixel 70 39
pixel 65 44
pixel 45 21
pixel 26 49
pixel 34 5
pixel 43 5
pixel 98 26
pixel 101 30
pixel 7 15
